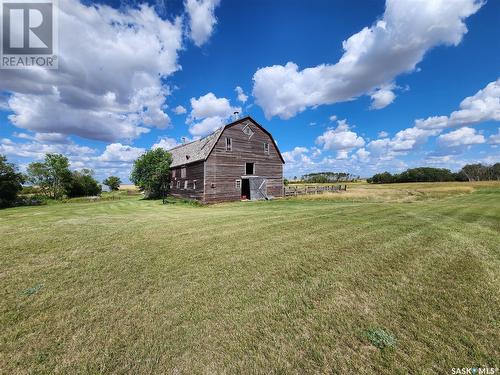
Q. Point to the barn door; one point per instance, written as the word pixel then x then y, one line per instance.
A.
pixel 258 188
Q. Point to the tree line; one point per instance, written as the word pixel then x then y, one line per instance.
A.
pixel 52 178
pixel 327 177
pixel 49 179
pixel 470 172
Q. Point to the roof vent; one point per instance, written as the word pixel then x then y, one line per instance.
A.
pixel 187 157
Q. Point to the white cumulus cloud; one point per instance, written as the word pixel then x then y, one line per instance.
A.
pixel 202 19
pixel 209 113
pixel 44 137
pixel 116 152
pixel 495 138
pixel 340 139
pixel 298 160
pixel 382 97
pixel 297 152
pixel 362 155
pixel 404 141
pixel 241 94
pixel 180 110
pixel 482 106
pixel 372 58
pixel 461 137
pixel 382 134
pixel 37 150
pixel 165 143
pixel 109 82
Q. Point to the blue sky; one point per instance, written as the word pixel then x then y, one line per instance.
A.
pixel 341 85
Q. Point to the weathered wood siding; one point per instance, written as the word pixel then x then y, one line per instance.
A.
pixel 223 168
pixel 194 172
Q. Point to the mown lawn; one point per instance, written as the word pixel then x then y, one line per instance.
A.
pixel 288 286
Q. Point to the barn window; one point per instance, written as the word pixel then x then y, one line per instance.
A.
pixel 266 148
pixel 178 184
pixel 249 168
pixel 238 184
pixel 173 173
pixel 229 144
pixel 194 184
pixel 185 184
pixel 183 172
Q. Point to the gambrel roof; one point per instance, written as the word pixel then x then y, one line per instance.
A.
pixel 194 151
pixel 200 149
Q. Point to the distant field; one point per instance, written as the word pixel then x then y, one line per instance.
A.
pixel 404 192
pixel 315 284
pixel 128 187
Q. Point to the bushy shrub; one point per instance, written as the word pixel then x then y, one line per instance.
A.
pixel 82 184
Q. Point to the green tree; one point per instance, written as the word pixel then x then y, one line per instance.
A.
pixel 474 172
pixel 112 182
pixel 426 174
pixel 495 171
pixel 381 178
pixel 151 172
pixel 51 176
pixel 328 177
pixel 38 175
pixel 82 184
pixel 10 182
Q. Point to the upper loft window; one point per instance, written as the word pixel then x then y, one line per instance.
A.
pixel 249 168
pixel 266 148
pixel 229 144
pixel 183 172
pixel 173 173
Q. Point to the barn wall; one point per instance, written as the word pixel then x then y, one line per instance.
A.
pixel 194 171
pixel 223 168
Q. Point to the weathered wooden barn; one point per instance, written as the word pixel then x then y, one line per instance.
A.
pixel 238 161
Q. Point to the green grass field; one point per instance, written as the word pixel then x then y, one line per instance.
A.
pixel 306 285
